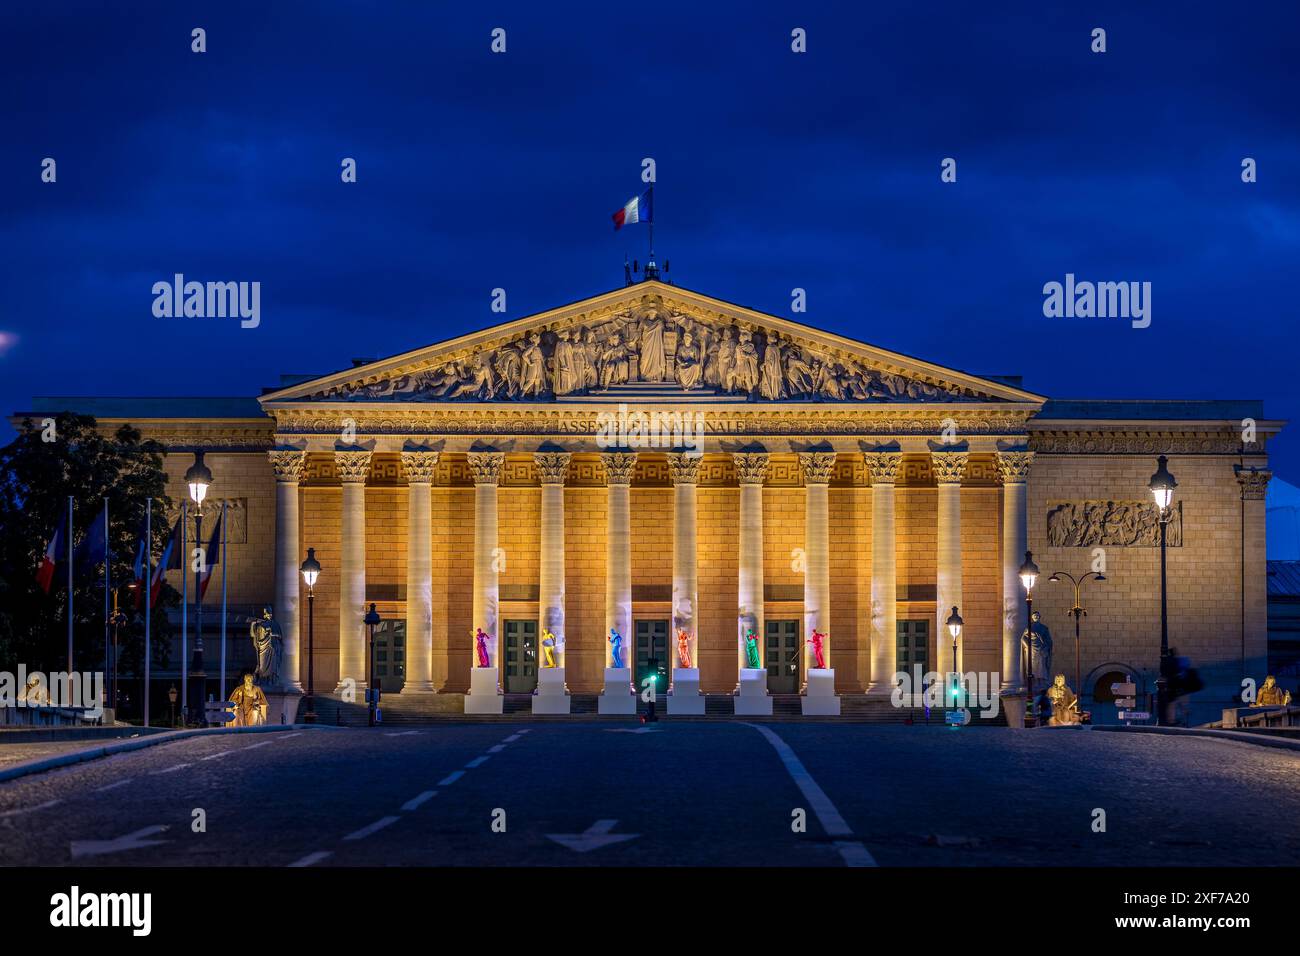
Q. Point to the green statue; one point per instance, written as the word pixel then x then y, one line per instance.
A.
pixel 751 650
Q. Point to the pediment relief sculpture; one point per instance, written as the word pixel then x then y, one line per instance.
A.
pixel 650 346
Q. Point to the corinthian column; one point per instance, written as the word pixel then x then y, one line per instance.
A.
pixel 287 465
pixel 352 466
pixel 1014 466
pixel 685 471
pixel 751 469
pixel 948 467
pixel 883 467
pixel 486 467
pixel 618 553
pixel 419 466
pixel 552 467
pixel 817 468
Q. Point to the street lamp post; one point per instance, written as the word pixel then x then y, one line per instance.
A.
pixel 954 623
pixel 1162 487
pixel 1076 612
pixel 199 479
pixel 372 695
pixel 1028 575
pixel 310 572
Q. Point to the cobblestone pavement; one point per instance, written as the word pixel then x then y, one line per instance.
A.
pixel 692 794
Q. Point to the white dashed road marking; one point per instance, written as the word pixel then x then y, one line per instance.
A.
pixel 219 753
pixel 179 766
pixel 311 858
pixel 853 851
pixel 511 739
pixel 477 762
pixel 114 786
pixel 497 749
pixel 416 801
pixel 40 806
pixel 373 828
pixel 401 733
pixel 264 743
pixel 451 778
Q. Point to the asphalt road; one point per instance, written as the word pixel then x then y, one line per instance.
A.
pixel 693 794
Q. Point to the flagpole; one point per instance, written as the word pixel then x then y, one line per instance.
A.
pixel 223 601
pixel 69 586
pixel 148 598
pixel 185 618
pixel 108 557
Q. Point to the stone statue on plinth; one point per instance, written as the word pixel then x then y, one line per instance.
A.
pixel 250 703
pixel 548 648
pixel 615 648
pixel 480 646
pixel 268 641
pixel 1041 648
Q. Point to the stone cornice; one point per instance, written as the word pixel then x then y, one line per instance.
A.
pixel 1139 438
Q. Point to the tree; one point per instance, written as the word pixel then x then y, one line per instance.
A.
pixel 67 454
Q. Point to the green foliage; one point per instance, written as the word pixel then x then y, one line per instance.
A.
pixel 37 475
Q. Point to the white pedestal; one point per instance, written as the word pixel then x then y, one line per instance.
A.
pixel 685 697
pixel 819 699
pixel 752 701
pixel 282 706
pixel 551 696
pixel 483 696
pixel 617 697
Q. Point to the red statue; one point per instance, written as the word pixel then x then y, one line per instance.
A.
pixel 819 648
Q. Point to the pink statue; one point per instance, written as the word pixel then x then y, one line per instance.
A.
pixel 683 647
pixel 480 643
pixel 819 648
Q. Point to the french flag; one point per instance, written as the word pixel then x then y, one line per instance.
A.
pixel 211 558
pixel 638 209
pixel 45 573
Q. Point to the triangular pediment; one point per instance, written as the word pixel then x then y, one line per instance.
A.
pixel 646 343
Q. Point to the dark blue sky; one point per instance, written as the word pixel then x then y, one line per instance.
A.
pixel 776 170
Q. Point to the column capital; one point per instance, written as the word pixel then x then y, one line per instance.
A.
pixel 486 466
pixel 948 466
pixel 287 463
pixel 882 466
pixel 818 466
pixel 352 466
pixel 684 468
pixel 1253 481
pixel 552 466
pixel 619 466
pixel 751 466
pixel 1014 466
pixel 419 466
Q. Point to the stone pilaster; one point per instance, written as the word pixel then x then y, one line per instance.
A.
pixel 352 466
pixel 1014 466
pixel 419 467
pixel 817 469
pixel 948 468
pixel 552 469
pixel 486 468
pixel 751 469
pixel 1254 560
pixel 287 465
pixel 883 468
pixel 619 466
pixel 685 471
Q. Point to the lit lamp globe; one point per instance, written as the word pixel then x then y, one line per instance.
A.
pixel 1028 571
pixel 954 623
pixel 310 569
pixel 198 477
pixel 1162 484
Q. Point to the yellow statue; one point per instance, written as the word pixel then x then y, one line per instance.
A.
pixel 250 703
pixel 1270 695
pixel 1065 705
pixel 548 648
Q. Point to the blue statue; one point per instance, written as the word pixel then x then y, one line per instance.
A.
pixel 616 651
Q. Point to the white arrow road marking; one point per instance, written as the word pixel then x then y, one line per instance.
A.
pixel 311 858
pixel 114 786
pixel 415 801
pixel 373 828
pixel 401 733
pixel 132 841
pixel 853 851
pixel 638 730
pixel 596 836
pixel 39 806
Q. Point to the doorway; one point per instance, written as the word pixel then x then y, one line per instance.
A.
pixel 784 660
pixel 520 657
pixel 390 655
pixel 651 643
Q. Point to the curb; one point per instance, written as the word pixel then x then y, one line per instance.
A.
pixel 1236 736
pixel 105 750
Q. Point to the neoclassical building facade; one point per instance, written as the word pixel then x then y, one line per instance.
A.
pixel 683 472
